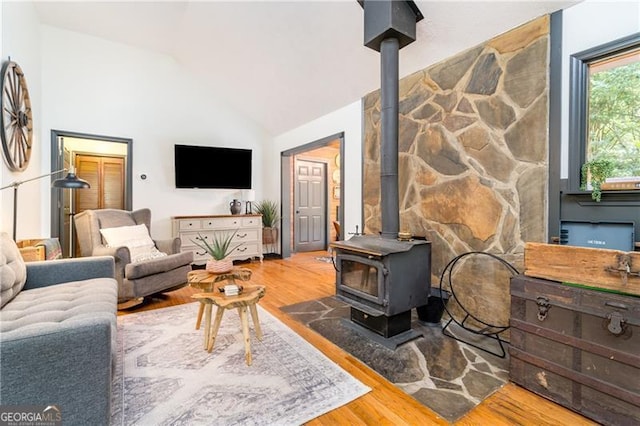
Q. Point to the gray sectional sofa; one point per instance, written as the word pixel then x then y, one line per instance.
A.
pixel 57 334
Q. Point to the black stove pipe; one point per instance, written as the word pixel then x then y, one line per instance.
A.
pixel 389 26
pixel 389 198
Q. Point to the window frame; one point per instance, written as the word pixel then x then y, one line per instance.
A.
pixel 578 98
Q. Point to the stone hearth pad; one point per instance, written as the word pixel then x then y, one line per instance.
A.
pixel 447 376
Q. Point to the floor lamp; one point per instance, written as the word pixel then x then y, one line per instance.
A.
pixel 69 181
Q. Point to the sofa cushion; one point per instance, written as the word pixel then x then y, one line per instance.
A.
pixel 13 272
pixel 58 345
pixel 36 310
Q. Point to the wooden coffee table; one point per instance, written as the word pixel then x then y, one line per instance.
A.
pixel 247 299
pixel 208 282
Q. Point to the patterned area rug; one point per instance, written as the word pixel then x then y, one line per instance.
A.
pixel 445 375
pixel 165 377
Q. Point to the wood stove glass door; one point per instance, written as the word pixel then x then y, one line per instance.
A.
pixel 362 277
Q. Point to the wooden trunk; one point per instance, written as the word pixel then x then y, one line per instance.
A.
pixel 29 251
pixel 607 269
pixel 577 347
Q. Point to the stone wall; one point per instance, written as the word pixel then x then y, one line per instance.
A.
pixel 473 161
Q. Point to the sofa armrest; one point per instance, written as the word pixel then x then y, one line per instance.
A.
pixel 121 254
pixel 67 364
pixel 169 246
pixel 158 266
pixel 50 272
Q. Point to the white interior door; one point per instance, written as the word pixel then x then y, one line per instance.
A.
pixel 310 206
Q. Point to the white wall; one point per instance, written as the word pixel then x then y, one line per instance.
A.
pixel 348 120
pixel 21 42
pixel 103 88
pixel 586 25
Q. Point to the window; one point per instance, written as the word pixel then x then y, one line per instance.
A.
pixel 613 129
pixel 605 109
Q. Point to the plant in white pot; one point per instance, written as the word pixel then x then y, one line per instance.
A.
pixel 219 248
pixel 270 211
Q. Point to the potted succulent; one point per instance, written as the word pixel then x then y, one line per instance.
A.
pixel 270 211
pixel 219 248
pixel 594 174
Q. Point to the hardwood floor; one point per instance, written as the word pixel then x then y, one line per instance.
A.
pixel 301 278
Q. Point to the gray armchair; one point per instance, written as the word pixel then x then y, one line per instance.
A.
pixel 139 279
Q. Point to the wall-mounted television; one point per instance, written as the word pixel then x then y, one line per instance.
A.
pixel 212 167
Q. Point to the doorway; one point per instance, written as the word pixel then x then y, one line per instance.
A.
pixel 104 162
pixel 314 228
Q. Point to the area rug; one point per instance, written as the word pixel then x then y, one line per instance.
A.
pixel 447 376
pixel 165 377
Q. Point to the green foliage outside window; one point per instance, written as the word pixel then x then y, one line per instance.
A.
pixel 614 118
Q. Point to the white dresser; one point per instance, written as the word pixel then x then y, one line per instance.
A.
pixel 249 233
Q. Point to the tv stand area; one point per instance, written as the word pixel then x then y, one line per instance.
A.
pixel 249 233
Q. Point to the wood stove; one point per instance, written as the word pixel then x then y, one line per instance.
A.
pixel 383 279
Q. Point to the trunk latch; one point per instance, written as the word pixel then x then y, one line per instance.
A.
pixel 543 307
pixel 616 323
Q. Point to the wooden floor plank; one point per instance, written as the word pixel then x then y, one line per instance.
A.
pixel 302 278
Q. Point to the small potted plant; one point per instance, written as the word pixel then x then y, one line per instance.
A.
pixel 219 249
pixel 594 174
pixel 270 211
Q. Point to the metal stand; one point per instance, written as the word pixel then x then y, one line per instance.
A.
pixel 483 332
pixel 490 331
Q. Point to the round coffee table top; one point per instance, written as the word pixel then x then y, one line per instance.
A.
pixel 205 280
pixel 249 296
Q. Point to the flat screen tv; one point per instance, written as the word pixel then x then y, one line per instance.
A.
pixel 212 167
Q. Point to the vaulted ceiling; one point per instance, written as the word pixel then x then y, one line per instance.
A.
pixel 284 64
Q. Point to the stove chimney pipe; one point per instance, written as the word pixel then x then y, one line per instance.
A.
pixel 389 198
pixel 388 27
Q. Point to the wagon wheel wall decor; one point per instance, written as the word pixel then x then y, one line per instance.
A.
pixel 16 119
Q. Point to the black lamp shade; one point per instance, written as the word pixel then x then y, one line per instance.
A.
pixel 70 181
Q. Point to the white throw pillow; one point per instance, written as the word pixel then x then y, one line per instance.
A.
pixel 136 238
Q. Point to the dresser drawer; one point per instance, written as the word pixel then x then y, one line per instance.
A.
pixel 200 256
pixel 245 251
pixel 210 236
pixel 245 235
pixel 222 223
pixel 251 221
pixel 242 236
pixel 186 225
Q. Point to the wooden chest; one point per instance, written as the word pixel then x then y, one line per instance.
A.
pixel 30 251
pixel 606 269
pixel 577 347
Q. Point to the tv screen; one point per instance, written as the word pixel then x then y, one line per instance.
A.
pixel 212 167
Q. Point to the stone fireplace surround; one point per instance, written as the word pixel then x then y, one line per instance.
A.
pixel 473 166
